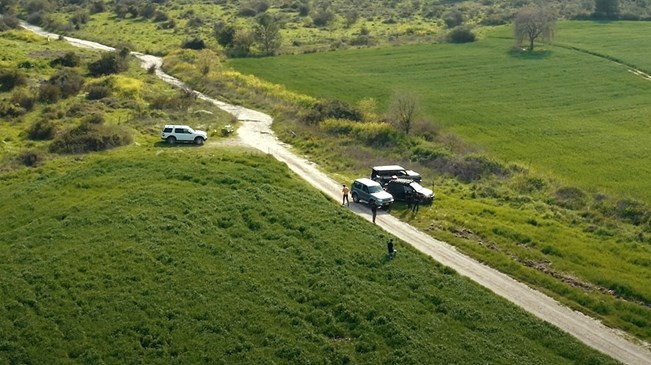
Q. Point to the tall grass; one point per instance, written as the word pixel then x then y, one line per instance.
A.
pixel 193 255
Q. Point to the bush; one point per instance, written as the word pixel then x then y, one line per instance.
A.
pixel 635 212
pixel 49 93
pixel 461 34
pixel 335 109
pixel 89 138
pixel 9 79
pixel 570 198
pixel 24 98
pixel 68 81
pixel 30 158
pixel 195 43
pixel 246 12
pixel 9 21
pixel 453 19
pixel 322 17
pixel 110 63
pixel 372 134
pixel 41 130
pixel 11 110
pixel 70 59
pixel 96 92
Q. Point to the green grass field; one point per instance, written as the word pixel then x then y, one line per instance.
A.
pixel 580 118
pixel 188 255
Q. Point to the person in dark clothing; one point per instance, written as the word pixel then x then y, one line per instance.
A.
pixel 392 252
pixel 373 210
pixel 416 203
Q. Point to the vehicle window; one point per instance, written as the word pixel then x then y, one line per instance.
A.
pixel 374 189
pixel 365 188
pixel 167 130
pixel 179 130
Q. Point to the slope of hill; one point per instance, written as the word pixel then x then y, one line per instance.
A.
pixel 186 255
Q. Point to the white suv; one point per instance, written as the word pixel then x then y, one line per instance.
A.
pixel 182 133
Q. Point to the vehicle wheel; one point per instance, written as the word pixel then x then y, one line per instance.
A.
pixel 170 140
pixel 355 198
pixel 198 141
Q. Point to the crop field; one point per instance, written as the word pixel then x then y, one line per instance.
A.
pixel 188 255
pixel 580 118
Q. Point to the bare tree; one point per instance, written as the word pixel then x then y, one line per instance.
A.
pixel 404 109
pixel 533 22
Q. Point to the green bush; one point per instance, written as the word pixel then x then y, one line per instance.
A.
pixel 110 63
pixel 24 98
pixel 96 92
pixel 9 79
pixel 570 198
pixel 11 110
pixel 40 130
pixel 461 34
pixel 335 109
pixel 68 81
pixel 70 59
pixel 49 93
pixel 194 43
pixel 90 138
pixel 30 158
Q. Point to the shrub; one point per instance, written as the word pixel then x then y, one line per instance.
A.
pixel 246 12
pixel 632 211
pixel 43 129
pixel 476 167
pixel 195 43
pixel 70 59
pixel 68 81
pixel 110 63
pixel 453 19
pixel 322 17
pixel 89 138
pixel 9 21
pixel 570 198
pixel 461 34
pixel 9 79
pixel 24 98
pixel 11 110
pixel 96 92
pixel 372 134
pixel 335 109
pixel 49 93
pixel 30 158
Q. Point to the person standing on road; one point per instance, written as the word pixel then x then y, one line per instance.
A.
pixel 373 210
pixel 345 191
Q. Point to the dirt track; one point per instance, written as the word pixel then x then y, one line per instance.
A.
pixel 255 131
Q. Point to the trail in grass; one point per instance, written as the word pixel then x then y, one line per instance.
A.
pixel 255 131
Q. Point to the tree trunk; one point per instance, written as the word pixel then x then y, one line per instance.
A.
pixel 531 44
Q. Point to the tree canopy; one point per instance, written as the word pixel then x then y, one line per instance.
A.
pixel 533 22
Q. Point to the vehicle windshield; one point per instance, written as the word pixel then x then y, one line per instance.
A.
pixel 374 189
pixel 416 186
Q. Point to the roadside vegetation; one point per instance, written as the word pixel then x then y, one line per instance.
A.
pixel 57 99
pixel 186 255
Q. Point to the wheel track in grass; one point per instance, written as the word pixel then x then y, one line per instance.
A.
pixel 255 131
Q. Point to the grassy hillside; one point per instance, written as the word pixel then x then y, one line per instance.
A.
pixel 582 118
pixel 190 255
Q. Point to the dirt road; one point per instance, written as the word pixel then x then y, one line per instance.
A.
pixel 255 131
